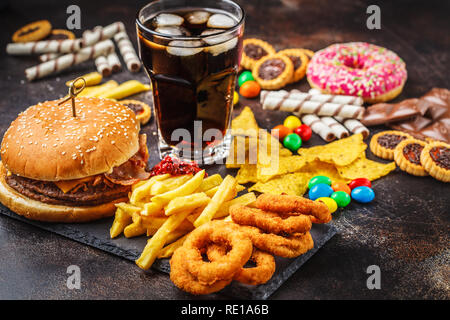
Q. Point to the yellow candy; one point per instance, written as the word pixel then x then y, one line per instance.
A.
pixel 292 122
pixel 235 98
pixel 331 204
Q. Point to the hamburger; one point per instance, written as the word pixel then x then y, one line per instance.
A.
pixel 60 168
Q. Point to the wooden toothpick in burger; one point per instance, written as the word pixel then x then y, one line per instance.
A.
pixel 73 92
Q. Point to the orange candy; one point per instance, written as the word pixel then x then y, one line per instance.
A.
pixel 340 186
pixel 282 130
pixel 250 89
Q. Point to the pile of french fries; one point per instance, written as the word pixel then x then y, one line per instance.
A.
pixel 167 208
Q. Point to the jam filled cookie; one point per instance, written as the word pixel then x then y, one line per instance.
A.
pixel 383 143
pixel 273 71
pixel 253 51
pixel 309 53
pixel 300 61
pixel 435 159
pixel 142 111
pixel 34 31
pixel 61 34
pixel 407 156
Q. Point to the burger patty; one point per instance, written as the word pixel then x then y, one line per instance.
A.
pixel 48 192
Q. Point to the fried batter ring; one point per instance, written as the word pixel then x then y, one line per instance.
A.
pixel 270 221
pixel 225 267
pixel 184 280
pixel 291 205
pixel 265 265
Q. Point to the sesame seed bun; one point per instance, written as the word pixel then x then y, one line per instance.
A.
pixel 47 143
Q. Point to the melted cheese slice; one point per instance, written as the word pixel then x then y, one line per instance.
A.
pixel 68 185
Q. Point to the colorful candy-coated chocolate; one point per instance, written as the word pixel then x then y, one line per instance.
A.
pixel 319 191
pixel 363 194
pixel 292 141
pixel 318 179
pixel 235 98
pixel 360 182
pixel 250 89
pixel 281 130
pixel 331 204
pixel 340 186
pixel 304 131
pixel 342 199
pixel 292 122
pixel 244 77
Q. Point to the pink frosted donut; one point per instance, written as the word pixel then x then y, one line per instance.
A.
pixel 358 69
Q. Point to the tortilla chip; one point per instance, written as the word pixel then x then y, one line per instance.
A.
pixel 292 184
pixel 246 174
pixel 280 166
pixel 365 168
pixel 319 168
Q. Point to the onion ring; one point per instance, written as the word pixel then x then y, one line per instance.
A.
pixel 265 265
pixel 184 280
pixel 225 267
pixel 294 205
pixel 270 221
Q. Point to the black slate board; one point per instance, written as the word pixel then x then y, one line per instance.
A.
pixel 96 234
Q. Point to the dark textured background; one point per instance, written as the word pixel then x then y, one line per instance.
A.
pixel 405 231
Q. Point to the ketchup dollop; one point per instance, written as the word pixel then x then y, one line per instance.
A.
pixel 175 167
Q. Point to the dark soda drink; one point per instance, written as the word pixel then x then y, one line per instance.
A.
pixel 192 57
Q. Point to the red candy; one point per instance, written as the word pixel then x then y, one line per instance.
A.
pixel 360 182
pixel 175 167
pixel 304 131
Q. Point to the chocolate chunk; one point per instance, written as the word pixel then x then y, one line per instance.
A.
pixel 390 141
pixel 271 69
pixel 254 51
pixel 382 113
pixel 441 156
pixel 412 152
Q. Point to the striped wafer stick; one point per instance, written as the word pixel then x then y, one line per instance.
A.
pixel 338 129
pixel 318 127
pixel 91 37
pixel 48 56
pixel 103 67
pixel 46 46
pixel 68 60
pixel 127 51
pixel 114 62
pixel 354 126
pixel 315 95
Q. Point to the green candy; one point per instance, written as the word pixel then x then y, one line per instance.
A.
pixel 292 141
pixel 342 198
pixel 244 77
pixel 318 179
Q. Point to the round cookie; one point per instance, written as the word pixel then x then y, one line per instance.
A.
pixel 435 158
pixel 407 156
pixel 34 31
pixel 383 143
pixel 309 53
pixel 273 71
pixel 61 34
pixel 142 110
pixel 300 61
pixel 253 50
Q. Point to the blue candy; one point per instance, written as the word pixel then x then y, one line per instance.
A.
pixel 320 190
pixel 363 194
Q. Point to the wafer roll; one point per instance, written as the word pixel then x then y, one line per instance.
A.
pixel 68 60
pixel 114 62
pixel 46 46
pixel 48 56
pixel 318 127
pixel 338 129
pixel 103 67
pixel 313 107
pixel 91 37
pixel 127 51
pixel 354 126
pixel 315 95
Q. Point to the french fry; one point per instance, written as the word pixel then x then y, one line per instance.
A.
pixel 135 229
pixel 189 202
pixel 157 242
pixel 96 90
pixel 124 90
pixel 168 250
pixel 171 183
pixel 129 208
pixel 121 220
pixel 144 189
pixel 91 79
pixel 152 209
pixel 183 190
pixel 210 182
pixel 226 190
pixel 157 222
pixel 210 193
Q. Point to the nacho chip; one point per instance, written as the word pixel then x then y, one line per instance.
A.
pixel 246 174
pixel 319 168
pixel 292 184
pixel 280 166
pixel 365 168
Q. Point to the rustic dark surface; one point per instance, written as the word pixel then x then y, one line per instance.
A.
pixel 405 231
